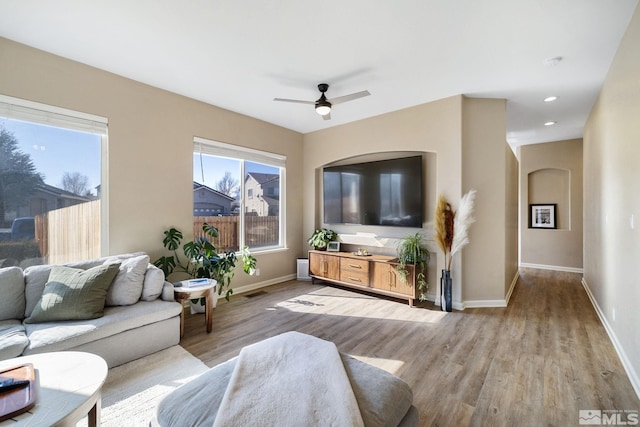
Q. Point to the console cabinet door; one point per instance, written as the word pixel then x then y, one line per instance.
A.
pixel 382 276
pixel 385 277
pixel 406 287
pixel 321 265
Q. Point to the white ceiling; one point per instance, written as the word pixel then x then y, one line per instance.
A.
pixel 240 54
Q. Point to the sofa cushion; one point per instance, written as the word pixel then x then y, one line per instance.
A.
pixel 58 336
pixel 12 291
pixel 34 280
pixel 153 283
pixel 74 294
pixel 126 288
pixel 37 276
pixel 13 339
pixel 87 264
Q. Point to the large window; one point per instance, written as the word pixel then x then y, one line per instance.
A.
pixel 50 184
pixel 241 192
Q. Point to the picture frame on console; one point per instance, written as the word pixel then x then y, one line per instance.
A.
pixel 542 216
pixel 333 247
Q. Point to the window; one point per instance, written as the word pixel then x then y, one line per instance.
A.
pixel 239 191
pixel 50 184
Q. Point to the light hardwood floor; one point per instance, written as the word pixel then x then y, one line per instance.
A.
pixel 535 363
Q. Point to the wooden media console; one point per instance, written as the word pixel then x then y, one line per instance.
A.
pixel 372 273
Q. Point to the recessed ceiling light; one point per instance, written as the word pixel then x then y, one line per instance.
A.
pixel 550 98
pixel 552 62
pixel 550 123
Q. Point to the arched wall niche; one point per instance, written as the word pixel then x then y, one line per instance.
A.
pixel 549 186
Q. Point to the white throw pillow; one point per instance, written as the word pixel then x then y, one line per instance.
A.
pixel 126 288
pixel 153 283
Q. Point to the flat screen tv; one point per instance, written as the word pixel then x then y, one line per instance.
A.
pixel 385 192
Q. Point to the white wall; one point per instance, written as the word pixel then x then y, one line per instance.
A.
pixel 612 201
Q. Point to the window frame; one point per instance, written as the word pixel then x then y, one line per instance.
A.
pixel 50 115
pixel 244 154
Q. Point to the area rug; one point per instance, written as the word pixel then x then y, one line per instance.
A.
pixel 132 390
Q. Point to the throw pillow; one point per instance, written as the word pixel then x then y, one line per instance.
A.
pixel 74 294
pixel 126 288
pixel 153 283
pixel 12 291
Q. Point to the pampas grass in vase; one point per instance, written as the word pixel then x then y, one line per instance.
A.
pixel 452 234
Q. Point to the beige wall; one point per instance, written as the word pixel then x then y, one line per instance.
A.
pixel 612 201
pixel 150 149
pixel 150 153
pixel 487 167
pixel 552 173
pixel 436 127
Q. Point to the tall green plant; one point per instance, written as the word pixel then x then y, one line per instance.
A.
pixel 412 250
pixel 202 259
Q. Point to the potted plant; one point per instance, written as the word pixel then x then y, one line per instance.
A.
pixel 321 237
pixel 202 259
pixel 413 250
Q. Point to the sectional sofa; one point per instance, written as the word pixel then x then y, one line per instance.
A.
pixel 72 307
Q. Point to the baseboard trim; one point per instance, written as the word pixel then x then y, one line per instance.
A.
pixel 487 303
pixel 507 298
pixel 259 285
pixel 552 267
pixel 626 363
pixel 493 303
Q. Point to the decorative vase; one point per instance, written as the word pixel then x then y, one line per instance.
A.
pixel 445 290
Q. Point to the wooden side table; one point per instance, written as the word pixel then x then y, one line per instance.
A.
pixel 207 291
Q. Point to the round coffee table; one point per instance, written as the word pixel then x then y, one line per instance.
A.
pixel 68 387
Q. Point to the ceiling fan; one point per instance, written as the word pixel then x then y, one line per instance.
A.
pixel 323 105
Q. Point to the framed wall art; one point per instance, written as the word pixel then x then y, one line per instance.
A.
pixel 333 247
pixel 542 215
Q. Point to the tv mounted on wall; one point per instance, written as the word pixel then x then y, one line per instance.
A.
pixel 384 192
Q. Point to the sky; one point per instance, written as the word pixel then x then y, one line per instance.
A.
pixel 55 151
pixel 213 168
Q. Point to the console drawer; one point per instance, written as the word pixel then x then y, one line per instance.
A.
pixel 354 265
pixel 354 271
pixel 356 277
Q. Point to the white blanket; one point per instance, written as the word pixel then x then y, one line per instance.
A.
pixel 292 379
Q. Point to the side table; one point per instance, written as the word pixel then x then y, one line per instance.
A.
pixel 207 291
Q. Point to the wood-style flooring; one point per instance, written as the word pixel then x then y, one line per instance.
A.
pixel 535 363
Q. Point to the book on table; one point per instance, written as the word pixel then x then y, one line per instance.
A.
pixel 194 283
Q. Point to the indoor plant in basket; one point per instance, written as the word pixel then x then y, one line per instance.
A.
pixel 413 250
pixel 202 259
pixel 452 234
pixel 321 237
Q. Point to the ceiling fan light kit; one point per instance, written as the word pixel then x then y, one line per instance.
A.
pixel 323 105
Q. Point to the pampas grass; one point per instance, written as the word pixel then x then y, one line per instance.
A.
pixel 451 227
pixel 463 221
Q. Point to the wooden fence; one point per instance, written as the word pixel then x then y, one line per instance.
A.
pixel 73 233
pixel 69 234
pixel 260 230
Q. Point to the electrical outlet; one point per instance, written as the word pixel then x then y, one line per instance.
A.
pixel 613 314
pixel 257 271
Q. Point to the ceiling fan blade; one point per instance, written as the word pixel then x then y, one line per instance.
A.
pixel 351 97
pixel 327 116
pixel 297 101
